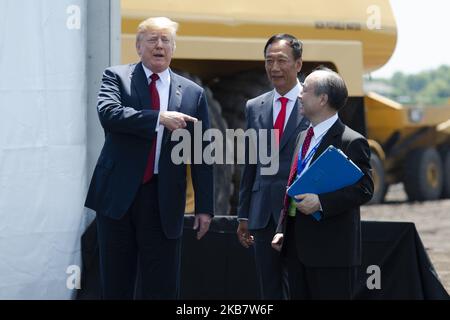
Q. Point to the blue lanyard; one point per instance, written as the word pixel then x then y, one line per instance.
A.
pixel 301 165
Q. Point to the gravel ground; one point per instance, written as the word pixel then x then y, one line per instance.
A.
pixel 432 220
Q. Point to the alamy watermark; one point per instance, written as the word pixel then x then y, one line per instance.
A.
pixel 74 279
pixel 374 280
pixel 212 147
pixel 374 17
pixel 73 21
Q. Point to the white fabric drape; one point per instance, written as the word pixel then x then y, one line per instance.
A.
pixel 42 147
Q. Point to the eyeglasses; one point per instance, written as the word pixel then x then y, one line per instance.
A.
pixel 154 40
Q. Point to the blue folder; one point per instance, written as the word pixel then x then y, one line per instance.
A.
pixel 331 171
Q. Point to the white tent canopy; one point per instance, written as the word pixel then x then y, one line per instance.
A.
pixel 44 168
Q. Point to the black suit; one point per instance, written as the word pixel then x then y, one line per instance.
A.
pixel 142 224
pixel 325 253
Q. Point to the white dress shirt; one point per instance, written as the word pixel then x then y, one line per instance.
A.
pixel 319 132
pixel 292 95
pixel 163 87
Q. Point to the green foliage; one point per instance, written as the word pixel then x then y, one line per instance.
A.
pixel 431 87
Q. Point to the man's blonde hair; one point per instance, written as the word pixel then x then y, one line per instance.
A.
pixel 157 23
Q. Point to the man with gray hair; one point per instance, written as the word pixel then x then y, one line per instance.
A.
pixel 137 191
pixel 323 256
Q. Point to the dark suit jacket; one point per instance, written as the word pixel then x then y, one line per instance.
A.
pixel 261 196
pixel 335 241
pixel 129 123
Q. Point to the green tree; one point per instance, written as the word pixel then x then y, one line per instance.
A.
pixel 431 87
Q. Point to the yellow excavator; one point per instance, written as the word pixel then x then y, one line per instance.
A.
pixel 220 46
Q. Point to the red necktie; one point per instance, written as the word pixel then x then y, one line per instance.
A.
pixel 294 168
pixel 279 123
pixel 307 142
pixel 155 106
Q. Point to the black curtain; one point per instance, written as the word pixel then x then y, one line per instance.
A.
pixel 219 268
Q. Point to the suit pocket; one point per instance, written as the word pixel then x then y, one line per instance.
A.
pixel 102 180
pixel 99 190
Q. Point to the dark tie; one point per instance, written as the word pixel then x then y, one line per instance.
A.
pixel 307 142
pixel 279 123
pixel 293 172
pixel 155 106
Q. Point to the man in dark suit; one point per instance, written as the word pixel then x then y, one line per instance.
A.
pixel 138 192
pixel 261 195
pixel 323 255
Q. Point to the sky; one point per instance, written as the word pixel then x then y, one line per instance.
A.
pixel 423 36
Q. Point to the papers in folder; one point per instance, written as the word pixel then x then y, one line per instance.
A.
pixel 330 172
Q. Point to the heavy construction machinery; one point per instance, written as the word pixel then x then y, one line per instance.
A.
pixel 220 45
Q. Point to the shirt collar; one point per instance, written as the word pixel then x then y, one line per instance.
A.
pixel 292 95
pixel 324 126
pixel 163 76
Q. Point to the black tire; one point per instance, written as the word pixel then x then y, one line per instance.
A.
pixel 223 188
pixel 233 92
pixel 423 178
pixel 385 192
pixel 379 179
pixel 445 156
